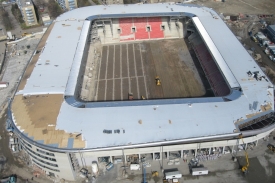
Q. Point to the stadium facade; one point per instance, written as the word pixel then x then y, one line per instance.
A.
pixel 62 133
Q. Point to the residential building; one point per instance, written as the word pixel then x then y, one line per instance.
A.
pixel 67 4
pixel 27 10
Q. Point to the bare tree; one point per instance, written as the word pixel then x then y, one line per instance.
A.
pixel 54 9
pixel 6 20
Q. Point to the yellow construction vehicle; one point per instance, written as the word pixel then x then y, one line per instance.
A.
pixel 271 147
pixel 158 83
pixel 155 174
pixel 245 167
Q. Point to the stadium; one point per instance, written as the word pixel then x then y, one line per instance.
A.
pixel 114 81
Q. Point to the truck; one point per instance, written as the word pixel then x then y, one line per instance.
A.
pixel 10 36
pixel 10 179
pixel 269 48
pixel 4 84
pixel 272 54
pixel 94 167
pixel 134 167
pixel 265 42
pixel 109 166
pixel 173 175
pixel 3 38
pixel 254 39
pixel 260 36
pixel 200 171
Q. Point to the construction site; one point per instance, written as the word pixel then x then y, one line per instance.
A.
pixel 131 69
pixel 152 74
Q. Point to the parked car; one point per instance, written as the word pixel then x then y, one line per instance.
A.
pixel 109 166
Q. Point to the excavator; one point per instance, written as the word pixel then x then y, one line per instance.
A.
pixel 271 147
pixel 158 83
pixel 245 167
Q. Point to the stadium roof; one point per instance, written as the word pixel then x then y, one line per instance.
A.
pixel 57 69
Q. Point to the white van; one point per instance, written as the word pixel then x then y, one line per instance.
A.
pixel 94 167
pixel 173 175
pixel 134 167
pixel 199 171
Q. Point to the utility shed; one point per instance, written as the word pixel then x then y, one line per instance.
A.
pixel 46 19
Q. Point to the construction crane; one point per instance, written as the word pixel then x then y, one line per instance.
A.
pixel 245 167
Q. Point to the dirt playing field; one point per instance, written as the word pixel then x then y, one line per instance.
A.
pixel 133 67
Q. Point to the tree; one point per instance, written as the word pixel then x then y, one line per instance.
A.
pixel 131 1
pixel 54 9
pixel 82 3
pixel 6 20
pixel 16 13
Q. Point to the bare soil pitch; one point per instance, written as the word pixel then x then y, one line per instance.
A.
pixel 133 67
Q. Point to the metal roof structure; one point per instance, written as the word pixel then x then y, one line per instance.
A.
pixel 142 122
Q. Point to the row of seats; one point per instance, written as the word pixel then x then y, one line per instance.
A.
pixel 140 28
pixel 211 70
pixel 126 26
pixel 140 24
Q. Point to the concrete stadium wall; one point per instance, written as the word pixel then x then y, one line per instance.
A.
pixel 84 159
pixel 119 35
pixel 87 157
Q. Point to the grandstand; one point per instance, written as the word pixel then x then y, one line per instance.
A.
pixel 211 70
pixel 72 105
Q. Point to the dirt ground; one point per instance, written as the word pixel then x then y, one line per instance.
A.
pixel 133 67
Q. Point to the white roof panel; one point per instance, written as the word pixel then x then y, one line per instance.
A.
pixel 216 54
pixel 149 125
pixel 52 69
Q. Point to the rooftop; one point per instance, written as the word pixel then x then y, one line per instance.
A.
pixel 25 3
pixel 52 74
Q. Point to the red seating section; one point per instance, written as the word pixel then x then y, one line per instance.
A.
pixel 141 32
pixel 155 23
pixel 140 24
pixel 211 70
pixel 126 25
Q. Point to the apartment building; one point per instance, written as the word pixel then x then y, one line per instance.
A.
pixel 67 4
pixel 27 10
